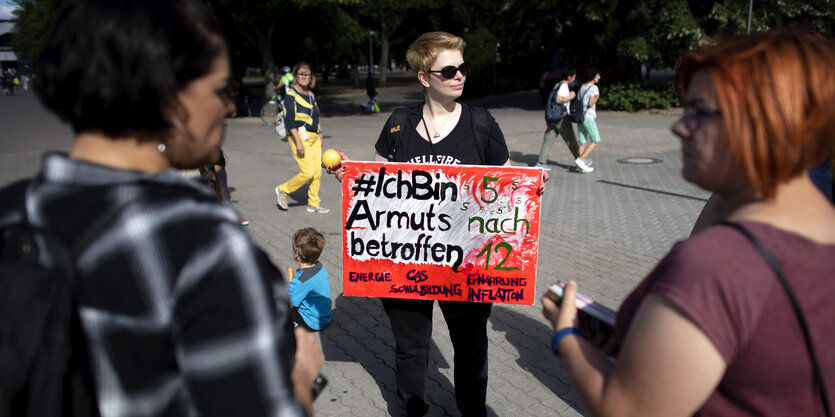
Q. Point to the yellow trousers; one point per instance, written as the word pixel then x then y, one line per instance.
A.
pixel 310 169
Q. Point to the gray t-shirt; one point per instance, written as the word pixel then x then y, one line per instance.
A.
pixel 587 91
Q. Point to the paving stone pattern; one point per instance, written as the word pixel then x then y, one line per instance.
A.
pixel 607 237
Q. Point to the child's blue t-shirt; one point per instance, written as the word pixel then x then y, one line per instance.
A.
pixel 310 293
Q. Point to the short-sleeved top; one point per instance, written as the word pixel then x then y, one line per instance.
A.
pixel 564 91
pixel 456 148
pixel 301 110
pixel 724 286
pixel 286 79
pixel 310 293
pixel 587 91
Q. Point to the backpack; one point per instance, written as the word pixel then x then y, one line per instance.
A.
pixel 396 125
pixel 577 110
pixel 554 112
pixel 43 354
pixel 280 127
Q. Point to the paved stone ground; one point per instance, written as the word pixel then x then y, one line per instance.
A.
pixel 606 230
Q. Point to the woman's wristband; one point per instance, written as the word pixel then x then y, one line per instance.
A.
pixel 558 336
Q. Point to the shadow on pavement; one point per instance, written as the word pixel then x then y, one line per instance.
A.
pixel 354 336
pixel 531 338
pixel 348 105
pixel 360 333
pixel 531 159
pixel 523 100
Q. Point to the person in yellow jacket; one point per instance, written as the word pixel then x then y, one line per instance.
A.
pixel 301 114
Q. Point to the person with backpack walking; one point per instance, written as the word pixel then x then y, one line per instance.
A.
pixel 589 136
pixel 181 312
pixel 558 123
pixel 439 131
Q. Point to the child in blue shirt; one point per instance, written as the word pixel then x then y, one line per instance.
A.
pixel 310 292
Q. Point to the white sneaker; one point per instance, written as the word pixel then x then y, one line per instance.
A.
pixel 588 161
pixel 543 166
pixel 582 165
pixel 281 199
pixel 317 209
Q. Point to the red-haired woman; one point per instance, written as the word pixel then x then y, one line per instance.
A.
pixel 711 331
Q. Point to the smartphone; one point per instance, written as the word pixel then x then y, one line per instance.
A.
pixel 318 385
pixel 594 319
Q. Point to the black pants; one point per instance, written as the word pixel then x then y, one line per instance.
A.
pixel 411 324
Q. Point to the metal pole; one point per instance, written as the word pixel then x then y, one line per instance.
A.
pixel 370 53
pixel 750 11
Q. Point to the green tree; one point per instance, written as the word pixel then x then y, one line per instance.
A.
pixel 657 32
pixel 257 21
pixel 33 20
pixel 296 22
pixel 386 17
pixel 730 17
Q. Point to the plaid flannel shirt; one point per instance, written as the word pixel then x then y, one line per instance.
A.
pixel 177 303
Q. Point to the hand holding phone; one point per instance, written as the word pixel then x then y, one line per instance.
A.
pixel 596 321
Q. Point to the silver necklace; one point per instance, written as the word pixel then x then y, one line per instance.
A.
pixel 437 131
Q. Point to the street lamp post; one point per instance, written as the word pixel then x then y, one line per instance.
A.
pixel 370 53
pixel 750 11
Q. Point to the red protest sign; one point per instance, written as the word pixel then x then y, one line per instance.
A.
pixel 440 232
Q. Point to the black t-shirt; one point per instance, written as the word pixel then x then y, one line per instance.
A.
pixel 458 147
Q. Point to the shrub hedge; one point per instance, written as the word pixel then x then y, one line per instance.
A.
pixel 636 96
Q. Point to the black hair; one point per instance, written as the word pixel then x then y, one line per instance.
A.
pixel 116 67
pixel 590 73
pixel 568 71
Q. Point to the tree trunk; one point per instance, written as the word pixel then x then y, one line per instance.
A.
pixel 384 56
pixel 267 63
pixel 267 67
pixel 355 74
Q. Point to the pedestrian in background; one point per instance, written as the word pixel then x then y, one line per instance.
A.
pixel 285 82
pixel 589 136
pixel 301 114
pixel 563 126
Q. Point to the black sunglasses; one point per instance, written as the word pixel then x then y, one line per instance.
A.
pixel 449 71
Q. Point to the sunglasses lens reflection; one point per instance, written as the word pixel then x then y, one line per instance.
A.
pixel 449 72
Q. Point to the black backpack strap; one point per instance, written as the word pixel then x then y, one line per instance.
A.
pixel 481 134
pixel 77 390
pixel 394 128
pixel 12 218
pixel 801 318
pixel 13 199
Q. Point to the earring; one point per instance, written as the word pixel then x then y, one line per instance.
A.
pixel 161 147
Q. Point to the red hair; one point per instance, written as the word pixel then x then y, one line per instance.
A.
pixel 776 93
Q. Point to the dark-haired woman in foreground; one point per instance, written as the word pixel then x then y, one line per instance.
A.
pixel 711 331
pixel 176 301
